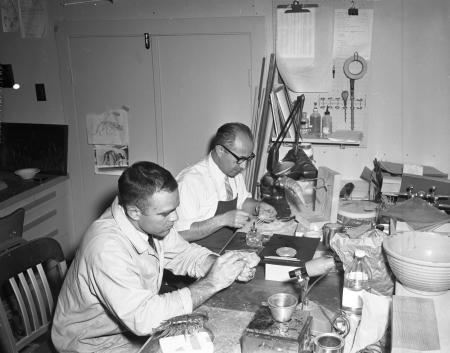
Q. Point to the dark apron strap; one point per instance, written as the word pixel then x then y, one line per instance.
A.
pixel 217 240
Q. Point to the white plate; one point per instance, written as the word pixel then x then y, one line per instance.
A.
pixel 286 252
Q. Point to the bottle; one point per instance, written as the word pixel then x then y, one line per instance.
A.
pixel 304 124
pixel 357 278
pixel 315 121
pixel 327 127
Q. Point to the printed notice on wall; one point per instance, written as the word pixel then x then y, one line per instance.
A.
pixel 33 18
pixel 303 49
pixel 108 132
pixel 352 33
pixel 10 15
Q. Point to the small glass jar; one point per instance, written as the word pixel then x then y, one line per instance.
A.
pixel 253 238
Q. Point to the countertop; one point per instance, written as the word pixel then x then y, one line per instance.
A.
pixel 18 189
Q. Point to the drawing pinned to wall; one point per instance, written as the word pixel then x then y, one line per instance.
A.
pixel 108 128
pixel 108 132
pixel 110 159
pixel 10 15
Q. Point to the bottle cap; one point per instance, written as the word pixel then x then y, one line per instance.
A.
pixel 360 253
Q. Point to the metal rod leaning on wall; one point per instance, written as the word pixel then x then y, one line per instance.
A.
pixel 260 148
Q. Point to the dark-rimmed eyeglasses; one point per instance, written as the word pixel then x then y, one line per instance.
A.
pixel 239 160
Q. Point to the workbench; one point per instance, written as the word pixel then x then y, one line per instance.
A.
pixel 231 310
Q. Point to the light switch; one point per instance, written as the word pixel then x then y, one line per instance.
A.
pixel 40 92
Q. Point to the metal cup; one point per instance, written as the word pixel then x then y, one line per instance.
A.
pixel 328 232
pixel 329 343
pixel 282 306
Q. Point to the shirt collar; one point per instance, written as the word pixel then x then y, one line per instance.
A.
pixel 214 169
pixel 138 239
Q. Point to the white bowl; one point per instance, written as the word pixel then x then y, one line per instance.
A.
pixel 420 261
pixel 27 173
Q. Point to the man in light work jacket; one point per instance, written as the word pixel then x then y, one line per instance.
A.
pixel 214 200
pixel 110 296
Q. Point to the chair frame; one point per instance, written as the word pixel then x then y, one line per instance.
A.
pixel 19 267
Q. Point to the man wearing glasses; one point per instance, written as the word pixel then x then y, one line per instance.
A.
pixel 214 200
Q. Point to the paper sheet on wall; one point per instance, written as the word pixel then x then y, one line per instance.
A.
pixel 352 33
pixel 303 49
pixel 10 15
pixel 108 132
pixel 111 159
pixel 108 128
pixel 33 18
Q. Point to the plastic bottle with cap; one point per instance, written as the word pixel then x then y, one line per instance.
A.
pixel 357 278
pixel 327 124
pixel 315 121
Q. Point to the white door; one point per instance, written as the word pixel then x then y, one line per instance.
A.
pixel 109 73
pixel 204 81
pixel 196 75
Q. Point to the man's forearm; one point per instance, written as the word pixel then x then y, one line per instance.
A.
pixel 250 206
pixel 200 230
pixel 201 291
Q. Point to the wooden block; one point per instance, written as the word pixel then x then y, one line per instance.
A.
pixel 414 325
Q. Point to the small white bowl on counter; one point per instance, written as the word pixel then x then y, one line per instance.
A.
pixel 27 173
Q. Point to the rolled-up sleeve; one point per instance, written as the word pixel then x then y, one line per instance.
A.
pixel 184 258
pixel 188 210
pixel 243 194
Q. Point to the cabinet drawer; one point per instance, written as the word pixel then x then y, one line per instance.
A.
pixel 46 214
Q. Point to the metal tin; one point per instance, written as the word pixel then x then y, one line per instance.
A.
pixel 329 343
pixel 328 232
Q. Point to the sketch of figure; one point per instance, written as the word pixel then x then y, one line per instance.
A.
pixel 111 156
pixel 108 128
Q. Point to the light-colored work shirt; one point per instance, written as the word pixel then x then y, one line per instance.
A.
pixel 201 187
pixel 110 293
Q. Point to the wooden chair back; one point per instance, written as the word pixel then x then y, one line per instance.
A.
pixel 11 229
pixel 30 278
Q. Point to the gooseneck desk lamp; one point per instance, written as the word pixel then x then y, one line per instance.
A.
pixel 295 165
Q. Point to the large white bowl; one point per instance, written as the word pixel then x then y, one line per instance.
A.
pixel 420 261
pixel 27 173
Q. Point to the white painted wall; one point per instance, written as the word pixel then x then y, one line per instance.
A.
pixel 410 77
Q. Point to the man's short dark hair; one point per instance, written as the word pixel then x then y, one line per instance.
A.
pixel 226 134
pixel 140 181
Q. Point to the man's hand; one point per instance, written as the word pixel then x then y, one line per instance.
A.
pixel 235 218
pixel 225 270
pixel 251 261
pixel 267 213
